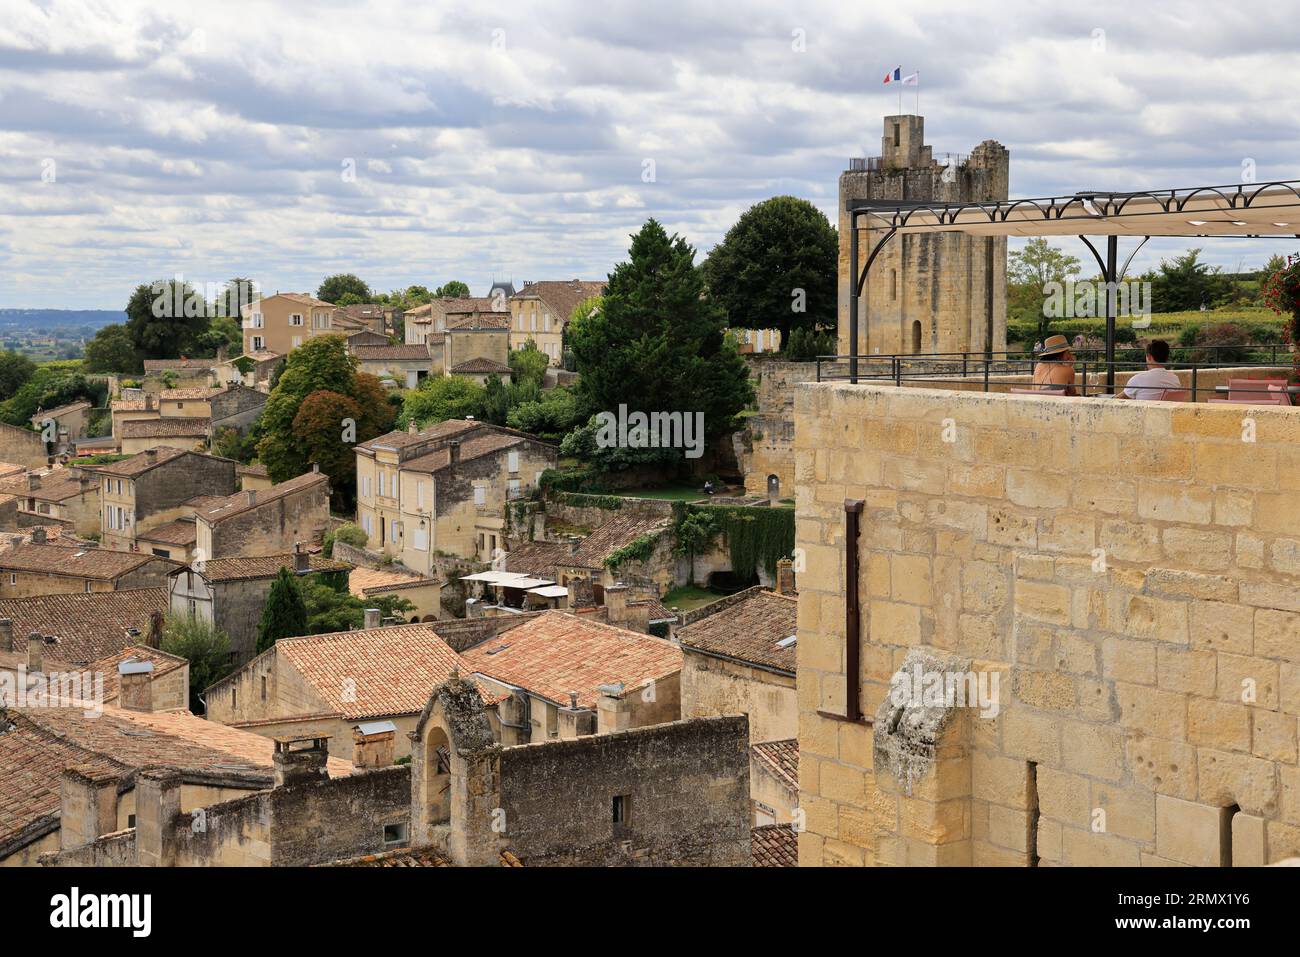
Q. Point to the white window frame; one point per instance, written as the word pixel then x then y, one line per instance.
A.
pixel 295 319
pixel 512 462
pixel 480 496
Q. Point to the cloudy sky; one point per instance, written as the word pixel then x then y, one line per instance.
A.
pixel 417 141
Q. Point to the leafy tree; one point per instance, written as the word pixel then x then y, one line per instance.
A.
pixel 455 289
pixel 331 609
pixel 51 385
pixel 553 414
pixel 223 333
pixel 237 293
pixel 333 288
pixel 776 268
pixel 1187 283
pixel 204 646
pixel 808 344
pixel 441 398
pixel 113 350
pixel 349 533
pixel 232 444
pixel 318 410
pixel 165 319
pixel 529 364
pixel 501 397
pixel 284 615
pixel 15 370
pixel 656 343
pixel 694 533
pixel 1029 270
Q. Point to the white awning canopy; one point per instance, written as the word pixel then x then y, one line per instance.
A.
pixel 1247 209
pixel 494 577
pixel 550 591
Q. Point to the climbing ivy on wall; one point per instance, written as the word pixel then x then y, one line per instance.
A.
pixel 583 500
pixel 639 550
pixel 757 537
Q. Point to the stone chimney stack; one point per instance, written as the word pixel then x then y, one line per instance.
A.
pixel 616 603
pixel 35 652
pixel 157 805
pixel 87 806
pixel 372 618
pixel 411 428
pixel 38 535
pixel 301 560
pixel 6 634
pixel 135 683
pixel 453 449
pixel 151 456
pixel 300 759
pixel 374 744
pixel 251 495
pixel 33 481
pixel 785 577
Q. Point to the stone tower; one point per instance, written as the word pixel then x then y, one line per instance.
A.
pixel 935 293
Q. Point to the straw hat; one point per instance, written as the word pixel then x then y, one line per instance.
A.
pixel 1053 345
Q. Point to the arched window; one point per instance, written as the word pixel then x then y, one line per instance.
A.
pixel 916 337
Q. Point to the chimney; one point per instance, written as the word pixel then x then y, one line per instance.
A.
pixel 157 805
pixel 84 482
pixel 297 760
pixel 301 560
pixel 6 634
pixel 87 806
pixel 251 495
pixel 453 449
pixel 151 456
pixel 135 685
pixel 315 468
pixel 371 618
pixel 38 535
pixel 616 603
pixel 35 652
pixel 374 744
pixel 33 481
pixel 573 700
pixel 785 577
pixel 410 428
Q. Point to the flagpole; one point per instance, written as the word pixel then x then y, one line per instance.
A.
pixel 918 92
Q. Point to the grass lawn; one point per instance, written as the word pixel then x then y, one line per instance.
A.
pixel 690 597
pixel 670 493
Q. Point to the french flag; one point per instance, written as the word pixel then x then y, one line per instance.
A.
pixel 896 76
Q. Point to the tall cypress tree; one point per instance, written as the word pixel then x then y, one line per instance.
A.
pixel 285 613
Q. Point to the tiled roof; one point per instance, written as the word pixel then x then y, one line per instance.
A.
pixel 388 671
pixel 613 535
pixel 781 758
pixel 139 463
pixel 237 504
pixel 184 365
pixel 538 559
pixel 87 626
pixel 40 742
pixel 59 410
pixel 56 486
pixel 441 307
pixel 562 297
pixel 263 566
pixel 748 630
pixel 411 353
pixel 476 446
pixel 11 468
pixel 480 366
pixel 105 668
pixel 131 405
pixel 658 610
pixel 399 857
pixel 171 427
pixel 361 579
pixel 102 564
pixel 556 653
pixel 774 845
pixel 477 321
pixel 306 299
pixel 255 469
pixel 401 439
pixel 176 395
pixel 183 531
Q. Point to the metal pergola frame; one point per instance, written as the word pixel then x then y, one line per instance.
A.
pixel 1097 213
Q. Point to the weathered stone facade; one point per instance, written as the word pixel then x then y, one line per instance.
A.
pixel 262 522
pixel 151 488
pixel 1127 569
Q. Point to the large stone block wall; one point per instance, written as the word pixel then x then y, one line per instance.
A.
pixel 1128 569
pixel 770 431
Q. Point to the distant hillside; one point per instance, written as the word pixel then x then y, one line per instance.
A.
pixel 59 318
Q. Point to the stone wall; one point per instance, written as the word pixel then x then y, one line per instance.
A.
pixel 713 685
pixel 1128 570
pixel 769 435
pixel 269 528
pixel 22 447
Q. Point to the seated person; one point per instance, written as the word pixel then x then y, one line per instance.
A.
pixel 1055 368
pixel 1155 379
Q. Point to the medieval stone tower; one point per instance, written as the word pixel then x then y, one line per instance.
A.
pixel 934 293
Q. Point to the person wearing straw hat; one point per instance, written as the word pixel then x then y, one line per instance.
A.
pixel 1055 368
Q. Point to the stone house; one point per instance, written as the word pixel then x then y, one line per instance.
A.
pixel 260 366
pixel 369 314
pixel 475 335
pixel 174 540
pixel 445 489
pixel 253 476
pixel 408 366
pixel 50 680
pixel 84 626
pixel 586 557
pixel 738 657
pixel 282 322
pixel 774 781
pixel 130 409
pixel 481 370
pixel 260 522
pixel 230 593
pixel 37 568
pixel 430 319
pixel 326 685
pixel 236 406
pixel 367 338
pixel 561 675
pixel 540 312
pixel 152 488
pixel 70 422
pixel 192 403
pixel 137 435
pixel 69 495
pixel 22 447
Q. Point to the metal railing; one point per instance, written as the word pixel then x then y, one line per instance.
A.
pixel 995 371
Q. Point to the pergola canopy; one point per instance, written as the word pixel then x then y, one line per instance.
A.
pixel 1248 209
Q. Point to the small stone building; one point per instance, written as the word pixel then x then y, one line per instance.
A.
pixel 260 522
pixel 36 568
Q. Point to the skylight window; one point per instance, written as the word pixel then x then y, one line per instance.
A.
pixel 787 642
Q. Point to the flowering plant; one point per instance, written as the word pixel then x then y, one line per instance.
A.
pixel 1281 293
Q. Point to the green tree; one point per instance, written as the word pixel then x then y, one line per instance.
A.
pixel 204 646
pixel 441 398
pixel 1029 270
pixel 455 289
pixel 333 288
pixel 776 268
pixel 15 370
pixel 550 416
pixel 657 344
pixel 238 292
pixel 693 534
pixel 166 319
pixel 529 364
pixel 112 350
pixel 1187 283
pixel 331 609
pixel 284 615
